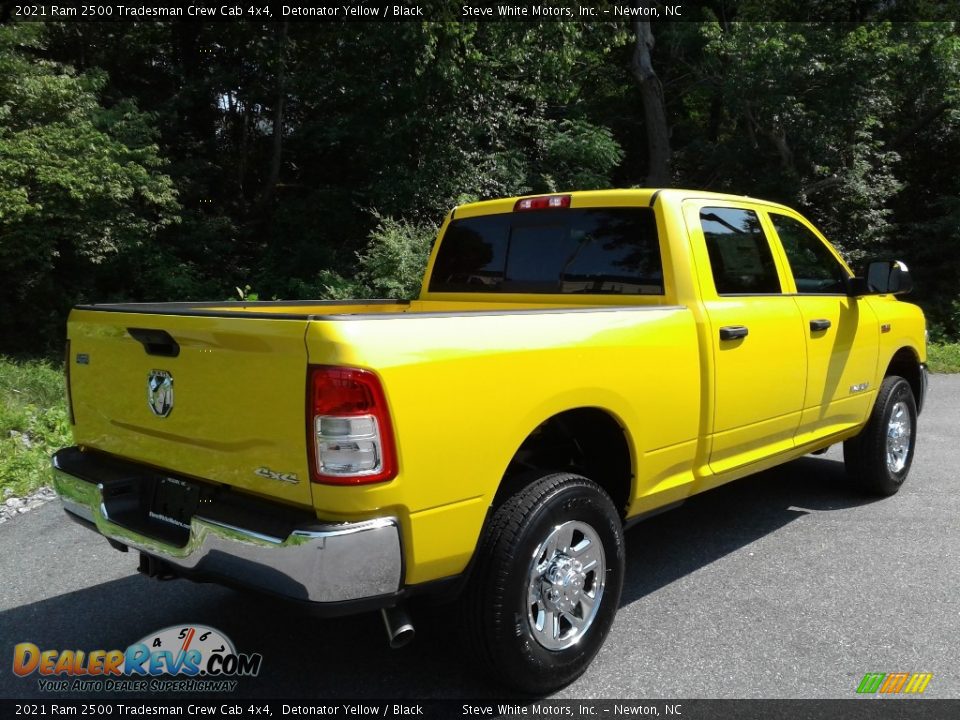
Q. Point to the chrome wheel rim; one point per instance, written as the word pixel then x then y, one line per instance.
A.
pixel 566 579
pixel 899 432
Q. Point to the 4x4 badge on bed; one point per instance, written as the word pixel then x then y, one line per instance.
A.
pixel 266 472
pixel 160 392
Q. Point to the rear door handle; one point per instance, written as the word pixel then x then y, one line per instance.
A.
pixel 733 332
pixel 819 325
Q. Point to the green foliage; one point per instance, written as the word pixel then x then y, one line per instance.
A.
pixel 390 266
pixel 811 103
pixel 578 155
pixel 331 285
pixel 947 322
pixel 33 423
pixel 393 263
pixel 246 294
pixel 414 116
pixel 79 184
pixel 176 161
pixel 850 122
pixel 944 358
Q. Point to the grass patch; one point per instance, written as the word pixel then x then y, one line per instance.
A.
pixel 944 358
pixel 33 423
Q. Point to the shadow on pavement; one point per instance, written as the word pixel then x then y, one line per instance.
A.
pixel 709 526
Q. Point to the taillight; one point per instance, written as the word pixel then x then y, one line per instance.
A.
pixel 349 432
pixel 66 371
pixel 543 202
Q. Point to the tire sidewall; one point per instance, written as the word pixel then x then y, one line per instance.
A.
pixel 901 392
pixel 583 502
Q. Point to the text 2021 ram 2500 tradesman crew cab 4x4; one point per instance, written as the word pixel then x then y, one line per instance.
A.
pixel 573 363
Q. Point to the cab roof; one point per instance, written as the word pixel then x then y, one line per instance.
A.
pixel 606 198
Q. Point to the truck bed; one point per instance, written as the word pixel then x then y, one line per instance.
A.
pixel 239 372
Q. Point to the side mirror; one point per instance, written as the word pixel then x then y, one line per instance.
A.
pixel 882 277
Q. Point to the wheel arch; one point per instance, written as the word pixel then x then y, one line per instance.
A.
pixel 905 362
pixel 589 441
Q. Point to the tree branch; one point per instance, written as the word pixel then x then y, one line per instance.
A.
pixel 923 121
pixel 821 185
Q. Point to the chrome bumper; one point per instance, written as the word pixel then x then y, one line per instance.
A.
pixel 319 563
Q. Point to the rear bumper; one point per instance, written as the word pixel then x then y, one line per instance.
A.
pixel 236 539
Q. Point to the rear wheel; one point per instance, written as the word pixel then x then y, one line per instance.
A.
pixel 879 458
pixel 547 584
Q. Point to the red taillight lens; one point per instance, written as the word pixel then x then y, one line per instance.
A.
pixel 349 433
pixel 543 202
pixel 343 391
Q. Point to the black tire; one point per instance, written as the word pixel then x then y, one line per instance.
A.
pixel 866 455
pixel 498 612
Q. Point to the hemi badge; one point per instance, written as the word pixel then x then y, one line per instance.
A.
pixel 859 387
pixel 885 327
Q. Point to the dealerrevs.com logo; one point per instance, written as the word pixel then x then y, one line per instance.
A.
pixel 894 683
pixel 180 658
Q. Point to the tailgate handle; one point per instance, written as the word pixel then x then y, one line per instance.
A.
pixel 733 332
pixel 155 342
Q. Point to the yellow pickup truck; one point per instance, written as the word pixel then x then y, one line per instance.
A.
pixel 574 363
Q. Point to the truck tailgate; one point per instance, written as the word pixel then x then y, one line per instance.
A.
pixel 216 398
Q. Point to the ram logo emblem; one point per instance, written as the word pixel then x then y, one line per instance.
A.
pixel 160 392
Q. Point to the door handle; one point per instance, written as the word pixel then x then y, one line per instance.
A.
pixel 155 342
pixel 733 332
pixel 822 324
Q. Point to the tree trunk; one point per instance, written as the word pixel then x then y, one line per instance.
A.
pixel 244 148
pixel 273 176
pixel 778 138
pixel 654 112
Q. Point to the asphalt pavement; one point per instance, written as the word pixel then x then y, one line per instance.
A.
pixel 784 585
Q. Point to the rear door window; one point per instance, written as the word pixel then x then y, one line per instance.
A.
pixel 740 257
pixel 558 251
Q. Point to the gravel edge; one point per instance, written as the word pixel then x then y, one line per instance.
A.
pixel 12 507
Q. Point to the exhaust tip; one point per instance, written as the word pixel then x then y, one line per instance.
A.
pixel 400 630
pixel 403 637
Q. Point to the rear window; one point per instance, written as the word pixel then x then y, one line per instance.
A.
pixel 610 251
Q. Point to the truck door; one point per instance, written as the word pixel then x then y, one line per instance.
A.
pixel 753 332
pixel 842 333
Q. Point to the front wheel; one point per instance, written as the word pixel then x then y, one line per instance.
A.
pixel 547 583
pixel 879 458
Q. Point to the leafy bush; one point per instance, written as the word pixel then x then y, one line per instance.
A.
pixel 580 156
pixel 79 184
pixel 390 266
pixel 33 423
